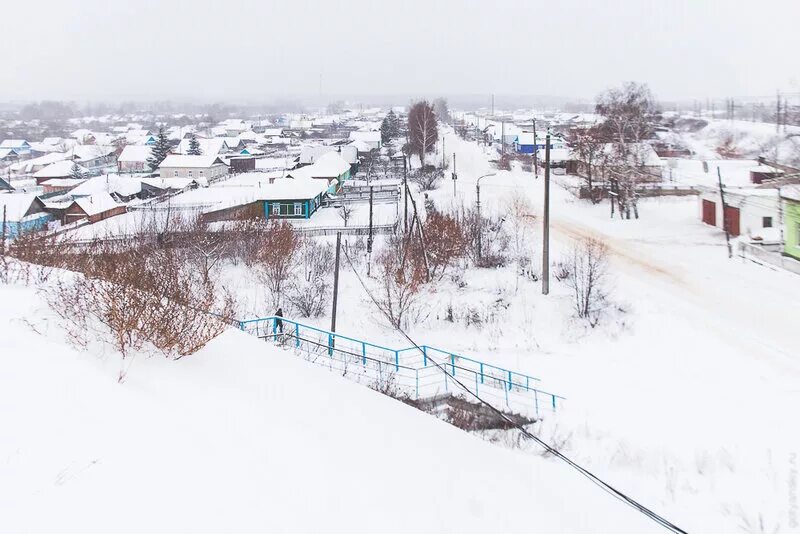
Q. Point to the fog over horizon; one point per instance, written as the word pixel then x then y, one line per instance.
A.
pixel 313 51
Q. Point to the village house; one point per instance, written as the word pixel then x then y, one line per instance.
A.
pixel 205 167
pixel 750 212
pixel 24 212
pixel 95 208
pixel 133 159
pixel 208 147
pixel 20 146
pixel 330 167
pixel 371 138
pixel 272 198
pixel 8 155
pixel 524 143
pixel 790 196
pixel 60 185
pixel 311 154
pixel 93 158
pixel 59 169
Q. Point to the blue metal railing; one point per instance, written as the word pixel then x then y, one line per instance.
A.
pixel 412 366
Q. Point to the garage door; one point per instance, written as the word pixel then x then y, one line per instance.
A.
pixel 732 220
pixel 709 213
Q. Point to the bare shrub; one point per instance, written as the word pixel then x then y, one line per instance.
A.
pixel 589 261
pixel 308 292
pixel 345 212
pixel 428 178
pixel 446 242
pixel 275 258
pixel 135 299
pixel 402 273
pixel 494 240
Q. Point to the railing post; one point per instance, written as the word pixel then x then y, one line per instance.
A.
pixel 481 372
pixel 425 355
pixel 536 400
pixel 297 334
pixel 274 326
pixel 363 353
pixel 554 402
pixel 476 384
pixel 510 380
pixel 416 371
pixel 330 345
pixel 453 363
pixel 506 397
pixel 396 360
pixel 527 383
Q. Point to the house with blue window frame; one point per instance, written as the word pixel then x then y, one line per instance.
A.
pixel 525 143
pixel 272 198
pixel 23 213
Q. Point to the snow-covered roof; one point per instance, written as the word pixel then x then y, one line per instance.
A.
pixel 330 165
pixel 135 154
pixel 367 137
pixel 96 203
pixel 208 147
pixel 58 169
pixel 310 154
pixel 14 143
pixel 109 183
pixel 64 182
pixel 16 205
pixel 28 164
pixel 183 161
pixel 791 192
pixel 640 153
pixel 5 152
pixel 90 152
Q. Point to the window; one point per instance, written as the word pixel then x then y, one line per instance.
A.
pixel 276 208
pixel 298 208
pixel 190 174
pixel 766 222
pixel 176 173
pixel 201 173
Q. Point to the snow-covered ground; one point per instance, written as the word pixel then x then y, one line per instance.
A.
pixel 685 398
pixel 243 437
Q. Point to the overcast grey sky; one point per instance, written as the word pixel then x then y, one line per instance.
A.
pixel 256 50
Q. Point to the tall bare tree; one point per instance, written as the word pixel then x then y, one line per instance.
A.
pixel 423 129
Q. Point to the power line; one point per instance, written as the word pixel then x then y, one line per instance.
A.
pixel 608 488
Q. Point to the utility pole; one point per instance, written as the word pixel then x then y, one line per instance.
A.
pixel 405 195
pixel 778 113
pixel 335 285
pixel 480 222
pixel 546 230
pixel 455 176
pixel 478 210
pixel 503 137
pixel 492 105
pixel 3 236
pixel 369 239
pixel 535 152
pixel 724 214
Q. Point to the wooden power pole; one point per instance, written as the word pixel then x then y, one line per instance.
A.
pixel 335 284
pixel 724 214
pixel 546 229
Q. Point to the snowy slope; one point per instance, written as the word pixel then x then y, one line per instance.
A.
pixel 242 437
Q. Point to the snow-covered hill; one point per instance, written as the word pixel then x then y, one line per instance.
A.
pixel 243 437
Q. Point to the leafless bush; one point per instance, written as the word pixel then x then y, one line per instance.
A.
pixel 427 178
pixel 445 240
pixel 308 291
pixel 589 268
pixel 275 258
pixel 140 298
pixel 345 212
pixel 494 240
pixel 402 273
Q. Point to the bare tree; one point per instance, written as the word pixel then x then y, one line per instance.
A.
pixel 401 271
pixel 427 178
pixel 589 259
pixel 276 257
pixel 345 211
pixel 423 130
pixel 308 291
